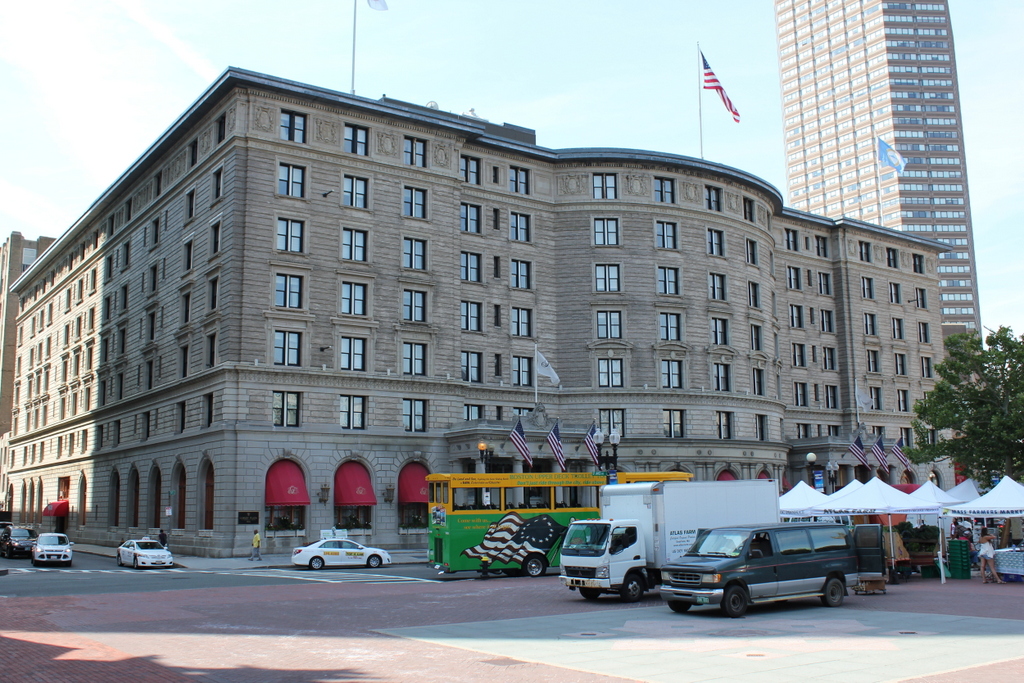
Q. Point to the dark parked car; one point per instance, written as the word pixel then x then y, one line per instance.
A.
pixel 16 541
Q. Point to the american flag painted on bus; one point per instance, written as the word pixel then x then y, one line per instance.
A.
pixel 513 537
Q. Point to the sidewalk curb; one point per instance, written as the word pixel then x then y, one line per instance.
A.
pixel 261 564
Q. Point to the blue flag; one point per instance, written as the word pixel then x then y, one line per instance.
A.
pixel 890 157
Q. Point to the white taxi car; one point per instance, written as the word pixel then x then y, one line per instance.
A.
pixel 144 553
pixel 339 552
pixel 52 548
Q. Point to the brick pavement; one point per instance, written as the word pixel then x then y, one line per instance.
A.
pixel 329 632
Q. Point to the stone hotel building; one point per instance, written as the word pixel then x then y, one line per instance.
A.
pixel 298 302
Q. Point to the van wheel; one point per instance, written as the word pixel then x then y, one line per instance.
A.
pixel 590 593
pixel 677 606
pixel 534 566
pixel 734 602
pixel 834 593
pixel 632 590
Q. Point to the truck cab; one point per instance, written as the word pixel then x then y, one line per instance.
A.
pixel 606 556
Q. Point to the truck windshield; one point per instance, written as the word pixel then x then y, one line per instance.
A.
pixel 585 540
pixel 719 543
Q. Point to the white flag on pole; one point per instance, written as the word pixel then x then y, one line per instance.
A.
pixel 864 399
pixel 380 5
pixel 544 368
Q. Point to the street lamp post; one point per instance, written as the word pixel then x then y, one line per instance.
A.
pixel 811 459
pixel 486 453
pixel 610 463
pixel 832 467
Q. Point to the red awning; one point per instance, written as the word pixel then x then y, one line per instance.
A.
pixel 726 475
pixel 352 485
pixel 763 475
pixel 58 508
pixel 906 488
pixel 286 485
pixel 412 483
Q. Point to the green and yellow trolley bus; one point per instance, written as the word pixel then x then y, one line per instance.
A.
pixel 514 522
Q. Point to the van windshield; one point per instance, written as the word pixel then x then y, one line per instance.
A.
pixel 720 543
pixel 585 540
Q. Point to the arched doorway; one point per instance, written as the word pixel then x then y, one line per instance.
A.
pixel 286 496
pixel 412 496
pixel 354 498
pixel 726 475
pixel 178 494
pixel 207 499
pixel 907 477
pixel 31 503
pixel 114 500
pixel 935 478
pixel 39 502
pixel 763 474
pixel 156 489
pixel 134 497
pixel 83 502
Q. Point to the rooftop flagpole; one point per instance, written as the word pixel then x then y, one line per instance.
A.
pixel 355 4
pixel 700 98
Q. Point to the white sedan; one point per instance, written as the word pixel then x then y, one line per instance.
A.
pixel 336 553
pixel 52 548
pixel 144 553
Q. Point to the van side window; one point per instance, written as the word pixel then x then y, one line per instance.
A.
pixel 762 542
pixel 793 541
pixel 833 538
pixel 622 538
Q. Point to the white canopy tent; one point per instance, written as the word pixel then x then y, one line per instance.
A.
pixel 799 498
pixel 1005 499
pixel 966 490
pixel 852 486
pixel 876 498
pixel 933 494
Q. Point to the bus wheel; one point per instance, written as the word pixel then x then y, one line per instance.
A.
pixel 535 565
pixel 590 593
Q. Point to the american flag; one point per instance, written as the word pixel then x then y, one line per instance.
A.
pixel 711 83
pixel 897 450
pixel 518 437
pixel 555 441
pixel 591 445
pixel 513 538
pixel 879 452
pixel 857 450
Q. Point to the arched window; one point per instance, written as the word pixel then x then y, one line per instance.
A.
pixel 907 477
pixel 83 502
pixel 24 503
pixel 179 498
pixel 208 491
pixel 156 489
pixel 30 508
pixel 412 496
pixel 763 474
pixel 114 500
pixel 726 475
pixel 39 503
pixel 354 498
pixel 935 478
pixel 286 496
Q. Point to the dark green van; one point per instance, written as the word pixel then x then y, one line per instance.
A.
pixel 735 567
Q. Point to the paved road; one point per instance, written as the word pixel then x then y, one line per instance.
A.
pixel 516 629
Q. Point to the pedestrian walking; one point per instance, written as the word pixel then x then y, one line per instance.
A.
pixel 256 542
pixel 987 556
pixel 162 538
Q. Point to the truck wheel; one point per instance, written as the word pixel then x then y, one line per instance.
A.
pixel 535 565
pixel 834 593
pixel 734 602
pixel 590 593
pixel 632 590
pixel 677 606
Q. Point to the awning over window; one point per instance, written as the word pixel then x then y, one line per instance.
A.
pixel 763 475
pixel 906 488
pixel 58 508
pixel 286 485
pixel 726 475
pixel 412 483
pixel 352 485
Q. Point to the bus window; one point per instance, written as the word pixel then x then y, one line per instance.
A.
pixel 439 492
pixel 578 497
pixel 539 497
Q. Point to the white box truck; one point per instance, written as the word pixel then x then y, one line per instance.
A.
pixel 645 526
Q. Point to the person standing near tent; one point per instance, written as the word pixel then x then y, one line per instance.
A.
pixel 987 557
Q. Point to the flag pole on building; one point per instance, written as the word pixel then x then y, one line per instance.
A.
pixel 380 5
pixel 700 98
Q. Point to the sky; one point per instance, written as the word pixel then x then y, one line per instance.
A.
pixel 90 84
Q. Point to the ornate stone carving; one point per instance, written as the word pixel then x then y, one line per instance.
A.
pixel 176 167
pixel 326 131
pixel 762 215
pixel 205 142
pixel 229 121
pixel 636 184
pixel 442 156
pixel 572 184
pixel 538 417
pixel 263 120
pixel 690 192
pixel 387 144
pixel 732 202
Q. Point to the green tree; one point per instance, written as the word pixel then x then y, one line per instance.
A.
pixel 977 406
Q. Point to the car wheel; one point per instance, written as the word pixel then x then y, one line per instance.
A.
pixel 834 593
pixel 68 563
pixel 135 562
pixel 34 562
pixel 316 563
pixel 374 561
pixel 534 566
pixel 119 562
pixel 734 602
pixel 590 593
pixel 678 606
pixel 632 589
